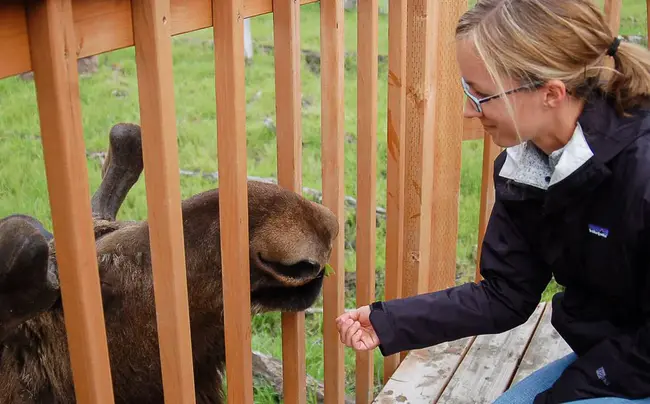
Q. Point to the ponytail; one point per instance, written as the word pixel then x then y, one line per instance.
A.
pixel 630 82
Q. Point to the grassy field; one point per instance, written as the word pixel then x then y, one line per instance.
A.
pixel 111 95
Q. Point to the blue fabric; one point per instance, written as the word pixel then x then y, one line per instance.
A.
pixel 524 392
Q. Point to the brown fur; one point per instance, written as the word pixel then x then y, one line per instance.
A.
pixel 290 242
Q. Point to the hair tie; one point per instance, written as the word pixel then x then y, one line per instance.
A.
pixel 614 46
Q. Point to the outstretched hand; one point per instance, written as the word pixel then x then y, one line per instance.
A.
pixel 356 331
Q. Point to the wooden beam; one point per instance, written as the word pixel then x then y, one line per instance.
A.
pixel 153 53
pixel 332 157
pixel 396 144
pixel 421 54
pixel 51 34
pixel 286 36
pixel 490 153
pixel 105 25
pixel 367 53
pixel 233 195
pixel 446 151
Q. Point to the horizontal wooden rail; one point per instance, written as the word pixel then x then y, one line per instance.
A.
pixel 105 25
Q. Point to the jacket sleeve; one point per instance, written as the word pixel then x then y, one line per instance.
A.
pixel 512 285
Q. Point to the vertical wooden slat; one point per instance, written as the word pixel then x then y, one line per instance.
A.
pixel 332 133
pixel 396 135
pixel 647 32
pixel 447 150
pixel 421 56
pixel 420 115
pixel 490 153
pixel 153 53
pixel 52 45
pixel 286 35
pixel 228 25
pixel 613 13
pixel 367 53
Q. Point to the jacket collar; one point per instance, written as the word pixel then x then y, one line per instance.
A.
pixel 601 134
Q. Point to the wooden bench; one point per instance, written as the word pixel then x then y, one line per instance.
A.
pixel 476 369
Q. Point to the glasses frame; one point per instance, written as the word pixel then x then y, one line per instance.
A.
pixel 478 101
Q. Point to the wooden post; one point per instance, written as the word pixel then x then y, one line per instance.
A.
pixel 490 153
pixel 367 54
pixel 332 133
pixel 447 150
pixel 153 53
pixel 286 34
pixel 52 44
pixel 396 141
pixel 227 19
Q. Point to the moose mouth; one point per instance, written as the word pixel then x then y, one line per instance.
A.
pixel 286 287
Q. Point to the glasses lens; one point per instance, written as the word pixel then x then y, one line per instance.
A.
pixel 472 99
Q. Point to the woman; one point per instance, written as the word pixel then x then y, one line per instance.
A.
pixel 568 100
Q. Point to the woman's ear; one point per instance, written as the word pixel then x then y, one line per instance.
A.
pixel 554 93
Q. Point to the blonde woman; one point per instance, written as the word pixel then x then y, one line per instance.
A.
pixel 569 102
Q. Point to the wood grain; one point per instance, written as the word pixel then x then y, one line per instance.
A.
pixel 367 65
pixel 446 151
pixel 332 134
pixel 105 25
pixel 233 195
pixel 51 35
pixel 546 346
pixel 153 54
pixel 423 375
pixel 286 36
pixel 490 364
pixel 396 159
pixel 421 112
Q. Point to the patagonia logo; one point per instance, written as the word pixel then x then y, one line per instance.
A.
pixel 602 375
pixel 599 231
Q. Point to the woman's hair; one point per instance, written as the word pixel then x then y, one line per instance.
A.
pixel 568 40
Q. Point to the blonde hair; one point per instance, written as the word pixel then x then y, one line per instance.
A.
pixel 567 40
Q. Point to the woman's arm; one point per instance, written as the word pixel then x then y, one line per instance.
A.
pixel 513 283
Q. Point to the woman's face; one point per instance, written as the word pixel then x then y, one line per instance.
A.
pixel 529 108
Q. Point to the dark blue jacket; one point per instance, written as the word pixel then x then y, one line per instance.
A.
pixel 592 232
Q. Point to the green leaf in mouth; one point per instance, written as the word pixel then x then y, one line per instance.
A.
pixel 328 270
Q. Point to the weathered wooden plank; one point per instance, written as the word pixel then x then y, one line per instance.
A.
pixel 105 25
pixel 545 347
pixel 489 365
pixel 332 45
pixel 423 375
pixel 286 36
pixel 57 93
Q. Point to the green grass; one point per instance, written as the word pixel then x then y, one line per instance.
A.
pixel 111 95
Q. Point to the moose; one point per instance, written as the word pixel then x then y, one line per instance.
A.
pixel 290 237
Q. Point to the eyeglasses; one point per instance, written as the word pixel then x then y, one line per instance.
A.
pixel 478 101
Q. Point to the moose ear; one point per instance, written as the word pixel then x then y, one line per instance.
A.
pixel 26 287
pixel 121 170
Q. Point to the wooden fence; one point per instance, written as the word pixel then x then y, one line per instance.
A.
pixel 425 130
